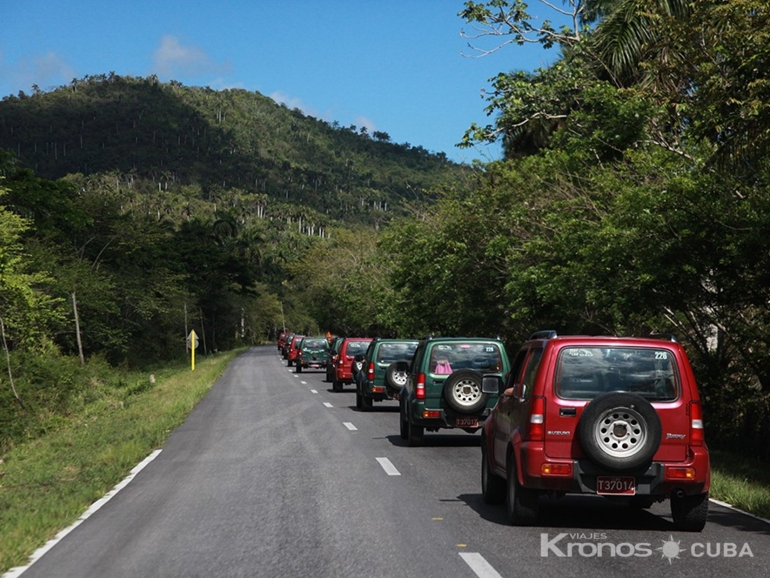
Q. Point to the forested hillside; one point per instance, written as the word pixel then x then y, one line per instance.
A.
pixel 634 198
pixel 172 135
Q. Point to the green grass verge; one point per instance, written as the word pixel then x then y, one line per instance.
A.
pixel 742 482
pixel 47 483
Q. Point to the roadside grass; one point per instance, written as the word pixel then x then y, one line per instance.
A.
pixel 741 481
pixel 47 483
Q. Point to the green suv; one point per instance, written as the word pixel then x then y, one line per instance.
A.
pixel 379 378
pixel 313 353
pixel 443 385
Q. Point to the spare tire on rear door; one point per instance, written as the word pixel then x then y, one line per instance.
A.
pixel 619 431
pixel 462 391
pixel 395 375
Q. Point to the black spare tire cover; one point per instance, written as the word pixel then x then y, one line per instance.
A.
pixel 462 391
pixel 619 431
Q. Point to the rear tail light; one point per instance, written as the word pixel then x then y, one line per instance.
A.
pixel 536 431
pixel 370 372
pixel 419 391
pixel 696 424
pixel 679 473
pixel 556 469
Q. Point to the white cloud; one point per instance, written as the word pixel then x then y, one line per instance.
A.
pixel 292 102
pixel 46 71
pixel 363 122
pixel 173 60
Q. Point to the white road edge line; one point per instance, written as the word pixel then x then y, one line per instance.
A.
pixel 327 404
pixel 350 426
pixel 479 565
pixel 19 570
pixel 745 513
pixel 389 468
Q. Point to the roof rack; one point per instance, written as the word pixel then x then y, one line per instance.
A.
pixel 544 334
pixel 664 337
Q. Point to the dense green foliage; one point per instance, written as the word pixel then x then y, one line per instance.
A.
pixel 633 199
pixel 141 129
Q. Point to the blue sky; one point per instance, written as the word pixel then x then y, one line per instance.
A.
pixel 395 66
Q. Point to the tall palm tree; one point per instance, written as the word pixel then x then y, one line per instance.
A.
pixel 628 32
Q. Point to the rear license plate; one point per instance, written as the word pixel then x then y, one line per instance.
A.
pixel 466 422
pixel 615 485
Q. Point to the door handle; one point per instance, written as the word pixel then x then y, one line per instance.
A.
pixel 567 411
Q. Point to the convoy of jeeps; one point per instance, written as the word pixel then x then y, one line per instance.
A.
pixel 618 417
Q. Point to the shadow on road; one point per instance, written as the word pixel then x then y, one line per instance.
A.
pixel 578 512
pixel 460 440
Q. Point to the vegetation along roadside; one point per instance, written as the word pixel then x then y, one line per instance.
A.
pixel 48 482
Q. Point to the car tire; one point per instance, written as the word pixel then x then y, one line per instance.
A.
pixel 336 385
pixel 619 431
pixel 462 392
pixel 690 512
pixel 415 434
pixel 289 362
pixel 492 486
pixel 395 376
pixel 403 424
pixel 359 400
pixel 299 368
pixel 522 504
pixel 366 402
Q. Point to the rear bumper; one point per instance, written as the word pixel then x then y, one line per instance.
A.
pixel 654 480
pixel 375 392
pixel 343 376
pixel 314 364
pixel 446 419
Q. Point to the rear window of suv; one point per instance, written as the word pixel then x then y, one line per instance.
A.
pixel 392 352
pixel 314 344
pixel 449 357
pixel 586 372
pixel 354 348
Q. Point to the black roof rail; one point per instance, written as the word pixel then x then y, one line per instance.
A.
pixel 664 337
pixel 544 334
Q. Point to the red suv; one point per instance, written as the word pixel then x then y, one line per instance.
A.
pixel 343 363
pixel 293 350
pixel 614 416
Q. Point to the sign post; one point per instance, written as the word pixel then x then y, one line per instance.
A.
pixel 192 344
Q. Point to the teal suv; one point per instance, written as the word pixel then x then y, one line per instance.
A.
pixel 443 385
pixel 380 378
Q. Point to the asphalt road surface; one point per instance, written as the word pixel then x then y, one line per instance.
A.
pixel 275 475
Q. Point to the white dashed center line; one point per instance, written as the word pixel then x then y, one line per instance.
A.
pixel 349 425
pixel 327 404
pixel 313 391
pixel 389 468
pixel 479 565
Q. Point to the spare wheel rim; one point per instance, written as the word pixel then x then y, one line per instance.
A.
pixel 621 432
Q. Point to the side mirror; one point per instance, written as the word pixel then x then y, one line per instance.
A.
pixel 491 384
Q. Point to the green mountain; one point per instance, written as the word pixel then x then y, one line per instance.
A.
pixel 172 135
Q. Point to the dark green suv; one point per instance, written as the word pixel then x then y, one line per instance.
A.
pixel 313 353
pixel 379 378
pixel 443 385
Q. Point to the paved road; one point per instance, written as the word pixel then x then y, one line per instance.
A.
pixel 274 475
